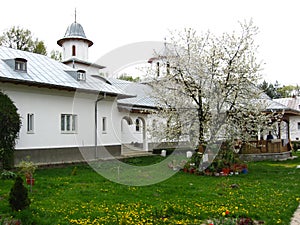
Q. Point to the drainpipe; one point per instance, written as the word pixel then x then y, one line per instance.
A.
pixel 96 123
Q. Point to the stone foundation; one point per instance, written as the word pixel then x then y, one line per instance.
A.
pixel 67 155
pixel 266 156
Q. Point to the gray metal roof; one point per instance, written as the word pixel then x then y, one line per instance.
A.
pixel 272 104
pixel 142 93
pixel 293 103
pixel 42 70
pixel 74 31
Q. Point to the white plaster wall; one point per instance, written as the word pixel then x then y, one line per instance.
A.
pixel 294 132
pixel 108 108
pixel 81 49
pixel 47 105
pixel 90 70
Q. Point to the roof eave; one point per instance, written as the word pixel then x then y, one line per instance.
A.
pixel 71 60
pixel 62 40
pixel 61 87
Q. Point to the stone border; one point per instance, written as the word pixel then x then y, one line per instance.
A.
pixel 266 156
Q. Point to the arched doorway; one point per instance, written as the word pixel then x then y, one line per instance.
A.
pixel 133 134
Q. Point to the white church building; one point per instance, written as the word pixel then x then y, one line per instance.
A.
pixel 69 112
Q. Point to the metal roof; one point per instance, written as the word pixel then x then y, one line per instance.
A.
pixel 142 93
pixel 42 70
pixel 74 31
pixel 274 105
pixel 293 103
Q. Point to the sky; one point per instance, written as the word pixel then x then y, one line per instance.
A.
pixel 112 24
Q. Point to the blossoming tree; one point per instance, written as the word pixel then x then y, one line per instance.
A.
pixel 207 90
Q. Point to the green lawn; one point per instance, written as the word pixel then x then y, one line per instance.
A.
pixel 270 192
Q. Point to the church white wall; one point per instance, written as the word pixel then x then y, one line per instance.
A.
pixel 81 49
pixel 90 70
pixel 107 108
pixel 47 105
pixel 294 131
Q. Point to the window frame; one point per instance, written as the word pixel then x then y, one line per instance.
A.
pixel 30 123
pixel 81 75
pixel 137 125
pixel 21 64
pixel 73 50
pixel 104 125
pixel 68 123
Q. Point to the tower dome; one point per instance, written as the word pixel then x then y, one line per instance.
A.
pixel 74 31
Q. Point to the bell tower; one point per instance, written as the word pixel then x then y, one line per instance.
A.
pixel 75 44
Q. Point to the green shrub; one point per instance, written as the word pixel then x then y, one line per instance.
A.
pixel 18 196
pixel 7 175
pixel 10 124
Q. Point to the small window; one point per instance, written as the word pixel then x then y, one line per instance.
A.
pixel 168 68
pixel 137 125
pixel 154 124
pixel 30 123
pixel 68 123
pixel 21 64
pixel 73 50
pixel 298 125
pixel 81 75
pixel 104 124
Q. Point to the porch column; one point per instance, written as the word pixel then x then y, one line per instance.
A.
pixel 145 141
pixel 288 130
pixel 279 130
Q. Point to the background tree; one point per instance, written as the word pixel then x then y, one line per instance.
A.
pixel 287 91
pixel 127 77
pixel 40 47
pixel 269 89
pixel 209 88
pixel 10 124
pixel 19 38
pixel 56 55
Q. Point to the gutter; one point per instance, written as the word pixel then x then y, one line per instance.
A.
pixel 96 123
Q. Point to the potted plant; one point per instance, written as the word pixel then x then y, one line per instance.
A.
pixel 27 168
pixel 186 167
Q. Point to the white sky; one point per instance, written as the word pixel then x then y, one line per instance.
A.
pixel 113 23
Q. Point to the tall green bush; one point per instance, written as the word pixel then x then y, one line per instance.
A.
pixel 10 124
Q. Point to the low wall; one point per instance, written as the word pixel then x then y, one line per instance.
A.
pixel 66 155
pixel 265 156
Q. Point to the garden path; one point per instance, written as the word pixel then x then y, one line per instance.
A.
pixel 296 218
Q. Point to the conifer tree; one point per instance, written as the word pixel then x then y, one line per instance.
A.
pixel 18 196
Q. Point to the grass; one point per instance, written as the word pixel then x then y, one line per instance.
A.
pixel 269 193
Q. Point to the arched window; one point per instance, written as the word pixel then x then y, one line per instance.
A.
pixel 73 50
